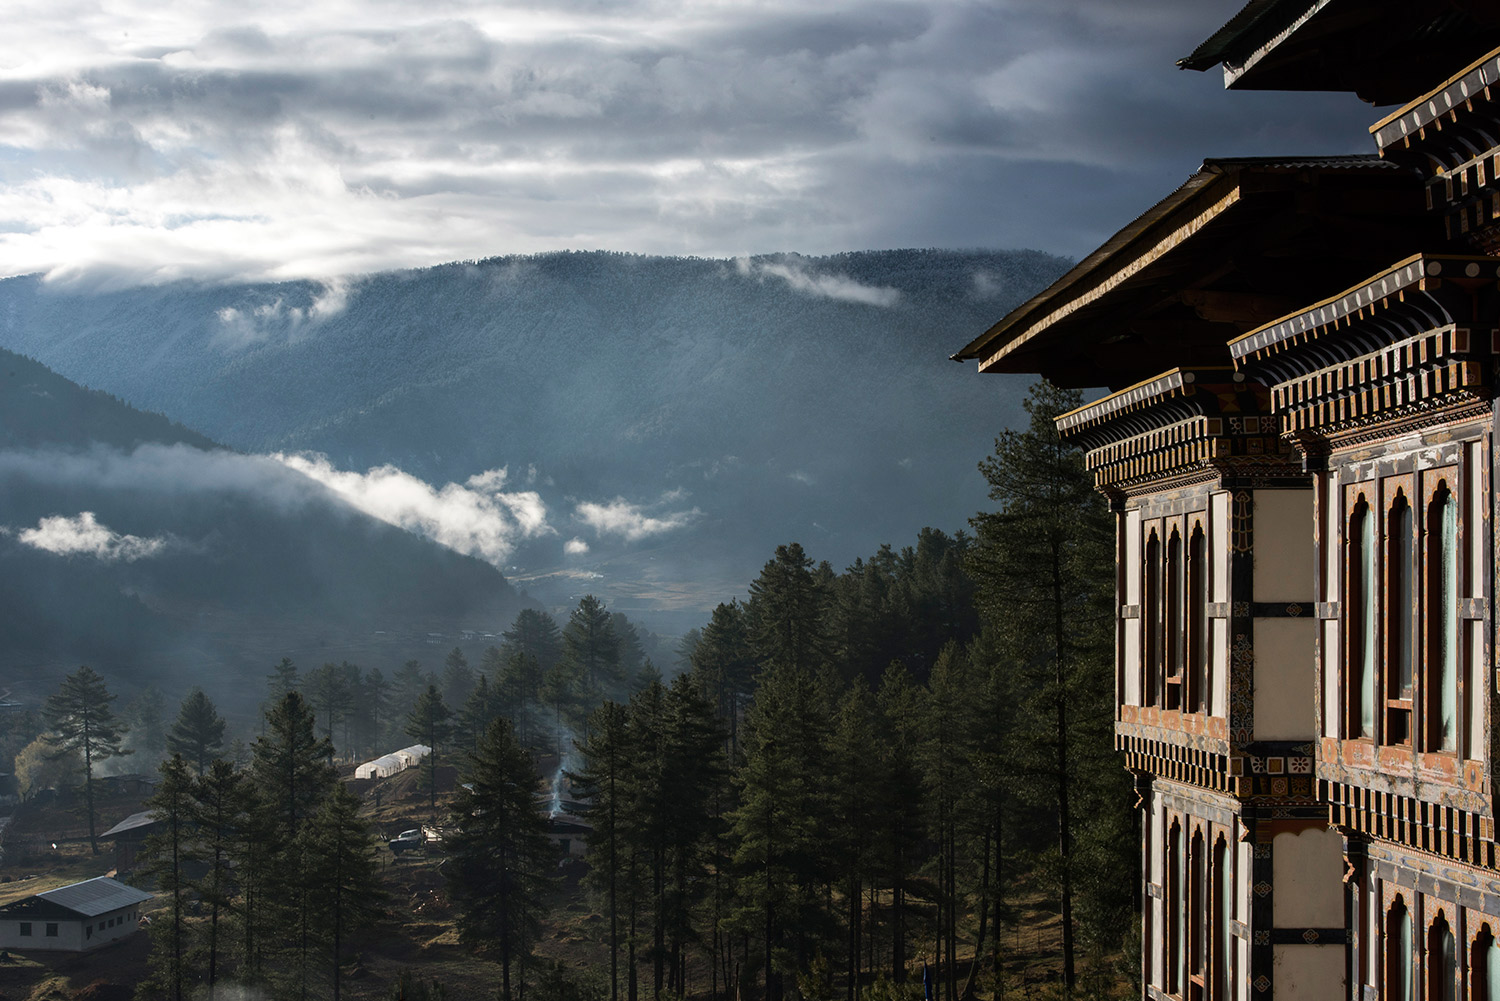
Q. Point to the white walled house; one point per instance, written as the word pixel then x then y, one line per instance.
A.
pixel 73 918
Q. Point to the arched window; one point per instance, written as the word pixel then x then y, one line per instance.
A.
pixel 1197 911
pixel 1199 675
pixel 1151 611
pixel 1362 619
pixel 1484 967
pixel 1223 941
pixel 1442 962
pixel 1176 904
pixel 1400 984
pixel 1441 698
pixel 1400 615
pixel 1176 648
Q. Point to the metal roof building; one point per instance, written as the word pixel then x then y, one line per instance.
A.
pixel 73 918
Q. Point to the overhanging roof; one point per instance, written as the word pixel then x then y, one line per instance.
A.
pixel 1385 51
pixel 1240 243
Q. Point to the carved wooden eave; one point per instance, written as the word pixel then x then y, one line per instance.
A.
pixel 1411 346
pixel 1240 243
pixel 1452 134
pixel 1384 51
pixel 1177 428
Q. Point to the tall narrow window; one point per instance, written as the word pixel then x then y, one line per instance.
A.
pixel 1400 984
pixel 1442 962
pixel 1197 911
pixel 1362 620
pixel 1484 967
pixel 1223 938
pixel 1175 647
pixel 1399 620
pixel 1197 640
pixel 1441 698
pixel 1152 612
pixel 1176 903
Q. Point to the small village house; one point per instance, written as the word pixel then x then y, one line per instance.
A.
pixel 73 918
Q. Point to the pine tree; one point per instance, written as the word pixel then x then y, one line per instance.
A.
pixel 221 816
pixel 166 854
pixel 591 654
pixel 458 678
pixel 693 770
pixel 498 853
pixel 290 766
pixel 198 733
pixel 725 666
pixel 534 633
pixel 371 710
pixel 429 723
pixel 1042 564
pixel 343 882
pixel 900 805
pixel 786 611
pixel 143 717
pixel 781 825
pixel 855 788
pixel 330 697
pixel 479 710
pixel 604 783
pixel 282 679
pixel 407 686
pixel 518 687
pixel 83 724
pixel 632 656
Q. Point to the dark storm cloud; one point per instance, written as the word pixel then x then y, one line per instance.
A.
pixel 334 138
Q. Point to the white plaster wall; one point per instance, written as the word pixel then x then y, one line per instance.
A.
pixel 1477 530
pixel 103 936
pixel 69 936
pixel 1284 679
pixel 1283 545
pixel 1218 630
pixel 1218 523
pixel 1328 669
pixel 1307 972
pixel 1307 870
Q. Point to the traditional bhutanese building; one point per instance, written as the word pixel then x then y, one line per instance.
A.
pixel 1298 445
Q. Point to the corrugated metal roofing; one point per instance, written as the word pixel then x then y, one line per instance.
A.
pixel 131 822
pixel 96 896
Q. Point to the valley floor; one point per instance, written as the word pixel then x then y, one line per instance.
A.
pixel 420 938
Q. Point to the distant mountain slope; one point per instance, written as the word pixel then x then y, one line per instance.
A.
pixel 38 408
pixel 780 397
pixel 142 548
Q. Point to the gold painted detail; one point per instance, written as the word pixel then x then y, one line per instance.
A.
pixel 1241 535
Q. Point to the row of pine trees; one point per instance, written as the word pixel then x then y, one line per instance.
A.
pixel 851 777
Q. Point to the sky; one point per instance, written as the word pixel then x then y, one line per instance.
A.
pixel 143 142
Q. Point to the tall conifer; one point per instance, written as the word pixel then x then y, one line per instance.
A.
pixel 1043 567
pixel 82 723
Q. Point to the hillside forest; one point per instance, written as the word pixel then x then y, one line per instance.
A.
pixel 890 781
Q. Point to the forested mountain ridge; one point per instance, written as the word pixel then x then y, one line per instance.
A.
pixel 776 396
pixel 135 544
pixel 38 408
